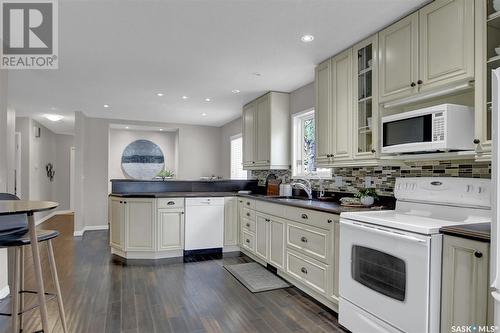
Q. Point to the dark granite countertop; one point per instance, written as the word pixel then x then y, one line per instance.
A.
pixel 319 205
pixel 174 194
pixel 478 231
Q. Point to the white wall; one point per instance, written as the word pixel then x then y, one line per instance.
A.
pixel 120 139
pixel 302 98
pixel 7 153
pixel 197 149
pixel 227 131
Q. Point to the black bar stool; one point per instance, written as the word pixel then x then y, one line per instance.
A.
pixel 13 234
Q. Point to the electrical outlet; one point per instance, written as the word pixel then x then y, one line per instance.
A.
pixel 338 181
pixel 368 181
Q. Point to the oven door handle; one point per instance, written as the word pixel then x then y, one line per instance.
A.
pixel 388 232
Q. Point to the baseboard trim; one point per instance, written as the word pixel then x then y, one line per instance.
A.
pixel 57 212
pixel 4 292
pixel 79 233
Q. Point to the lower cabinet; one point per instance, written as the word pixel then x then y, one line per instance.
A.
pixel 465 297
pixel 301 243
pixel 170 229
pixel 270 240
pixel 117 223
pixel 230 223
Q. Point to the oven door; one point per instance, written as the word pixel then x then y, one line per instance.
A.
pixel 386 273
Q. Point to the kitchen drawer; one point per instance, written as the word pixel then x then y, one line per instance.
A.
pixel 248 214
pixel 311 241
pixel 247 224
pixel 270 208
pixel 248 203
pixel 248 241
pixel 170 203
pixel 310 272
pixel 311 217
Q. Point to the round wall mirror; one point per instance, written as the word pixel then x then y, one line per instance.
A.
pixel 142 159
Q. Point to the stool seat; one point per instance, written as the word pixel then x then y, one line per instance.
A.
pixel 24 239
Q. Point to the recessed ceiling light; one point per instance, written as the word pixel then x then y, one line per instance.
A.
pixel 307 38
pixel 204 114
pixel 106 106
pixel 235 91
pixel 184 97
pixel 126 127
pixel 159 94
pixel 207 99
pixel 257 74
pixel 161 129
pixel 53 117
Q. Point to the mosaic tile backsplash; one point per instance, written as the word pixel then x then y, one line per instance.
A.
pixel 384 177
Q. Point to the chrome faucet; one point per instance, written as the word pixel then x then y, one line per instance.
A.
pixel 306 187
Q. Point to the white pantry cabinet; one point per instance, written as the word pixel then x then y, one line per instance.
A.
pixel 465 293
pixel 431 48
pixel 266 132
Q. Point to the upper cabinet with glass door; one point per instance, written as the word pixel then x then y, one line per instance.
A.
pixel 365 70
pixel 487 58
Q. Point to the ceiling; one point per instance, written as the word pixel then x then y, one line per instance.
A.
pixel 122 53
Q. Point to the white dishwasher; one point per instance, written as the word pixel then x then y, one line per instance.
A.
pixel 204 225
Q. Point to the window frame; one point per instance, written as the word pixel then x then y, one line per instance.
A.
pixel 231 139
pixel 297 121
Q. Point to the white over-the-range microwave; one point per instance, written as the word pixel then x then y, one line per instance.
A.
pixel 444 127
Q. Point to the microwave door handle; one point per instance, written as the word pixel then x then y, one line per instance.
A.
pixel 387 232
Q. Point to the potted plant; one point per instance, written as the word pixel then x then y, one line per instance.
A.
pixel 166 174
pixel 367 196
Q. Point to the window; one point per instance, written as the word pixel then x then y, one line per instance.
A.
pixel 304 147
pixel 237 171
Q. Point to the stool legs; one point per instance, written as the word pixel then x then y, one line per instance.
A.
pixel 21 295
pixel 56 284
pixel 15 290
pixel 38 272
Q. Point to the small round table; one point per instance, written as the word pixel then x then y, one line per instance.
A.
pixel 13 207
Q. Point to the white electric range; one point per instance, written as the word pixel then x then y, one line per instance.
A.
pixel 390 261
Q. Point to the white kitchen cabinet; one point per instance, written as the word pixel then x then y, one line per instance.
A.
pixel 341 102
pixel 465 283
pixel 117 223
pixel 323 112
pixel 446 33
pixel 266 132
pixel 230 223
pixel 365 92
pixel 333 112
pixel 170 229
pixel 140 224
pixel 428 49
pixel 262 236
pixel 398 59
pixel 249 126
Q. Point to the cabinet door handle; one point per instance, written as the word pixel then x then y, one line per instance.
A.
pixel 373 151
pixel 241 201
pixel 248 225
pixel 420 82
pixel 121 201
pixel 268 220
pixel 124 202
pixel 248 203
pixel 303 239
pixel 329 221
pixel 248 214
pixel 303 270
pixel 170 203
pixel 304 216
pixel 248 241
pixel 478 254
pixel 412 84
pixel 476 141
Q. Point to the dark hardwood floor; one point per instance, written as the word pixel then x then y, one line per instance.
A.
pixel 106 295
